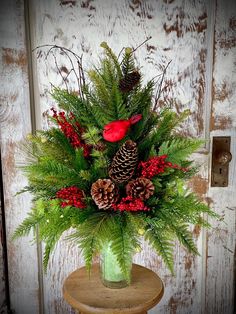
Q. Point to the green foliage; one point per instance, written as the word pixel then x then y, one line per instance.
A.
pixel 160 239
pixel 92 136
pixel 112 58
pixel 88 112
pixel 89 235
pixel 128 64
pixel 123 242
pixel 178 149
pixel 52 164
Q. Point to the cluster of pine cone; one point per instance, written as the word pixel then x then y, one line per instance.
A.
pixel 105 191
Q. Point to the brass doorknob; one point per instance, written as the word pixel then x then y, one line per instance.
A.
pixel 223 158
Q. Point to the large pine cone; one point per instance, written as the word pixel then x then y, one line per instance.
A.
pixel 140 188
pixel 127 83
pixel 104 193
pixel 124 162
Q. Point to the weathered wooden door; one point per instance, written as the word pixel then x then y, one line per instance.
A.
pixel 200 38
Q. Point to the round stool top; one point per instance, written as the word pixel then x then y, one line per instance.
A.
pixel 89 295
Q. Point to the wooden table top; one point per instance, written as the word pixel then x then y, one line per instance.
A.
pixel 89 295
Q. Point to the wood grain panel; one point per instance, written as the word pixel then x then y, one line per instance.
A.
pixel 3 293
pixel 15 124
pixel 221 240
pixel 178 29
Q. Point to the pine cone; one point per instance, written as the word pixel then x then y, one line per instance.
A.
pixel 127 83
pixel 140 188
pixel 124 162
pixel 104 193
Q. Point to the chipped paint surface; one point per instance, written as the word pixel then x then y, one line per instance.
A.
pixel 128 23
pixel 15 124
pixel 14 57
pixel 179 31
pixel 3 297
pixel 199 185
pixel 221 240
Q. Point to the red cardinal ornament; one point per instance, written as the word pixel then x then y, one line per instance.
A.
pixel 116 130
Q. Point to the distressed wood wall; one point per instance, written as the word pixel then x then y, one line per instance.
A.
pixel 3 294
pixel 200 38
pixel 15 119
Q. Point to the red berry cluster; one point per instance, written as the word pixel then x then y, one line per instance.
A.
pixel 72 131
pixel 155 166
pixel 130 204
pixel 72 196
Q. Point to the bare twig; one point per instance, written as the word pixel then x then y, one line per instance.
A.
pixel 120 53
pixel 81 76
pixel 159 89
pixel 66 77
pixel 59 70
pixel 59 47
pixel 147 39
pixel 68 53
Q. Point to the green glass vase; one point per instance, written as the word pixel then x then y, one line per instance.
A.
pixel 110 271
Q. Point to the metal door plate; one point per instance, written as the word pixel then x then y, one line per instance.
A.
pixel 219 171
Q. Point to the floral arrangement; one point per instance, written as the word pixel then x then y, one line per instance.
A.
pixel 113 167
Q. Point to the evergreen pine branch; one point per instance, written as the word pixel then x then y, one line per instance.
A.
pixel 92 136
pixel 80 163
pixel 108 74
pixel 49 247
pixel 110 54
pixel 188 208
pixel 56 221
pixel 100 87
pixel 85 175
pixel 27 225
pixel 179 149
pixel 99 116
pixel 159 238
pixel 180 230
pixel 142 100
pixel 168 121
pixel 51 171
pixel 120 111
pixel 127 63
pixel 123 244
pixel 84 112
pixel 89 236
pixel 106 96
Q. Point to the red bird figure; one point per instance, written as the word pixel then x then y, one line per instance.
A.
pixel 116 130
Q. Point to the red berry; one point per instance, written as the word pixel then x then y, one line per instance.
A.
pixel 72 196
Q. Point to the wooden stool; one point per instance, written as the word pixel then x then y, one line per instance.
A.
pixel 89 296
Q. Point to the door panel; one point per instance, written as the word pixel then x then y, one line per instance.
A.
pixel 199 38
pixel 221 240
pixel 15 124
pixel 3 291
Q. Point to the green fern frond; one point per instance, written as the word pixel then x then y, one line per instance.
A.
pixel 110 54
pixel 100 87
pixel 123 244
pixel 85 175
pixel 180 230
pixel 179 149
pixel 128 63
pixel 89 236
pixel 168 121
pixel 26 226
pixel 92 136
pixel 161 241
pixel 84 112
pixel 49 247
